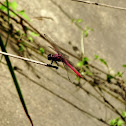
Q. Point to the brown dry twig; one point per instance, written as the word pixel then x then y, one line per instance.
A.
pixel 100 4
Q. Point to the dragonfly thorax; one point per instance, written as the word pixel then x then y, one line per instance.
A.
pixel 55 57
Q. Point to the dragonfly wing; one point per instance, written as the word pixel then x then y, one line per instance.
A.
pixel 71 75
pixel 55 47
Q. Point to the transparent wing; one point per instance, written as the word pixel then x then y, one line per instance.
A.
pixel 71 75
pixel 55 47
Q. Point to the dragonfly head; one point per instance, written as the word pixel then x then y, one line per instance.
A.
pixel 50 57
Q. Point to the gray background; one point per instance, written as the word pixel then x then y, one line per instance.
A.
pixel 50 99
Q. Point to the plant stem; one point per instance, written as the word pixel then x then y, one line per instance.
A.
pixel 82 43
pixel 15 80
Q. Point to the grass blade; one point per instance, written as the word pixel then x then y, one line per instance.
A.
pixel 8 25
pixel 15 80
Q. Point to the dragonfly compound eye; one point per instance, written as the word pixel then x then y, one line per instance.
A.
pixel 50 57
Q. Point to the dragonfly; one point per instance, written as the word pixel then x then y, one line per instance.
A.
pixel 60 57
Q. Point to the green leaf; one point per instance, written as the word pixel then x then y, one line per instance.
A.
pixel 88 73
pixel 30 39
pixel 79 20
pixel 124 65
pixel 13 5
pixel 3 8
pixel 73 20
pixel 21 47
pixel 104 62
pixel 85 60
pixel 124 114
pixel 22 12
pixel 114 122
pixel 109 77
pixel 80 64
pixel 34 34
pixel 86 33
pixel 12 14
pixel 42 50
pixel 96 56
pixel 89 29
pixel 77 78
pixel 18 33
pixel 120 123
pixel 119 74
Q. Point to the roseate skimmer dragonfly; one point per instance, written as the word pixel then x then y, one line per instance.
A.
pixel 60 57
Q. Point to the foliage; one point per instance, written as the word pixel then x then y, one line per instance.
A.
pixel 84 61
pixel 42 50
pixel 34 34
pixel 85 30
pixel 118 121
pixel 103 61
pixel 13 5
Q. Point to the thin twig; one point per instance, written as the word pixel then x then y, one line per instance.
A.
pixel 100 4
pixel 82 42
pixel 29 60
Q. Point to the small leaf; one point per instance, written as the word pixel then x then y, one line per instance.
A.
pixel 13 5
pixel 89 29
pixel 34 34
pixel 86 33
pixel 77 78
pixel 85 60
pixel 124 65
pixel 22 12
pixel 120 123
pixel 114 122
pixel 79 20
pixel 89 73
pixel 42 51
pixel 30 39
pixel 109 77
pixel 21 47
pixel 96 56
pixel 124 114
pixel 119 74
pixel 3 8
pixel 80 64
pixel 17 33
pixel 103 61
pixel 12 14
pixel 73 20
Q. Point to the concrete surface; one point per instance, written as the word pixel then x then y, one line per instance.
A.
pixel 51 99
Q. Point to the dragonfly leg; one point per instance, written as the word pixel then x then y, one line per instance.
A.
pixel 57 63
pixel 51 62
